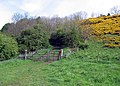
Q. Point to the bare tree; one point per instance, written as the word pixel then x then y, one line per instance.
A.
pixel 83 14
pixel 115 10
pixel 95 14
pixel 92 15
pixel 79 15
pixel 26 15
pixel 18 16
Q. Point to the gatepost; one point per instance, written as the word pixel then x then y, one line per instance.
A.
pixel 25 54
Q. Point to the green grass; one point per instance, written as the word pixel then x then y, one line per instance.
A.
pixel 96 52
pixel 21 73
pixel 74 72
pixel 44 52
pixel 95 66
pixel 38 54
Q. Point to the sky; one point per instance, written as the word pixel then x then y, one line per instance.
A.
pixel 50 8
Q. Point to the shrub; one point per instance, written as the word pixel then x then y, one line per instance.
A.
pixel 33 39
pixel 62 38
pixel 58 38
pixel 22 48
pixel 8 47
pixel 5 27
pixel 83 46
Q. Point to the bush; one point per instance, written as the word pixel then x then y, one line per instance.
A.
pixel 32 39
pixel 22 48
pixel 62 38
pixel 73 38
pixel 8 47
pixel 83 46
pixel 57 38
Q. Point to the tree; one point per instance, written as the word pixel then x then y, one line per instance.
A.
pixel 73 38
pixel 95 14
pixel 115 10
pixel 79 15
pixel 92 15
pixel 18 16
pixel 86 33
pixel 57 38
pixel 8 47
pixel 15 29
pixel 61 38
pixel 33 39
pixel 108 14
pixel 5 27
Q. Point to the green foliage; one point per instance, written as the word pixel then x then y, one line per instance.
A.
pixel 22 48
pixel 58 38
pixel 33 39
pixel 83 46
pixel 8 47
pixel 5 27
pixel 73 38
pixel 62 38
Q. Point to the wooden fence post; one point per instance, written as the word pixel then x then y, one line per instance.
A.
pixel 25 54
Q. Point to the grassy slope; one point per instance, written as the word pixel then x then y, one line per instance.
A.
pixel 95 66
pixel 74 72
pixel 21 73
pixel 107 28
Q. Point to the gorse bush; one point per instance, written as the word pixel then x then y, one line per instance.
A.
pixel 105 28
pixel 8 47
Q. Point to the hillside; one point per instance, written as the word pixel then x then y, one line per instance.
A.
pixel 95 66
pixel 106 28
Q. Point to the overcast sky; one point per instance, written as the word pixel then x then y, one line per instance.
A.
pixel 52 7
